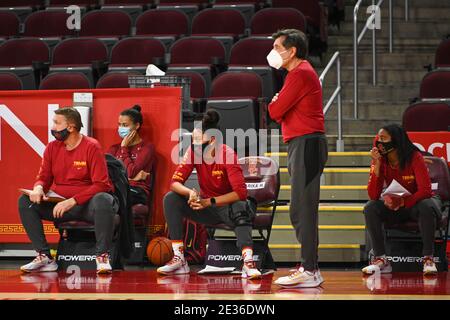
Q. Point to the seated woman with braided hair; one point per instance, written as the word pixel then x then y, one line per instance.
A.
pixel 394 156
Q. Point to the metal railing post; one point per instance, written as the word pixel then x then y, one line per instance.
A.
pixel 355 60
pixel 340 140
pixel 336 95
pixel 406 10
pixel 374 44
pixel 391 39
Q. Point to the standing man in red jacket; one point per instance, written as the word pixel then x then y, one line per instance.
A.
pixel 74 167
pixel 298 108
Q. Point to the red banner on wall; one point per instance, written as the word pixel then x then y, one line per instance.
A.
pixel 24 133
pixel 437 143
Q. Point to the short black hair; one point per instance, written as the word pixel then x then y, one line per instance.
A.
pixel 294 38
pixel 134 114
pixel 72 116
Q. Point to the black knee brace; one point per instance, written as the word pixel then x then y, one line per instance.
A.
pixel 242 213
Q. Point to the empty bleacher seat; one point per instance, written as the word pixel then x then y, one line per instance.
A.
pixel 19 56
pixel 9 24
pixel 22 8
pixel 435 84
pixel 197 89
pixel 247 8
pixel 316 15
pixel 190 8
pixel 136 54
pixel 218 22
pixel 442 57
pixel 81 3
pixel 199 54
pixel 231 85
pixel 9 81
pixel 65 80
pixel 250 54
pixel 133 8
pixel 105 23
pixel 154 23
pixel 85 55
pixel 427 116
pixel 235 95
pixel 226 25
pixel 115 80
pixel 45 24
pixel 267 21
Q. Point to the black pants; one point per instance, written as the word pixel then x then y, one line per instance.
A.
pixel 138 196
pixel 427 212
pixel 176 208
pixel 307 156
pixel 100 210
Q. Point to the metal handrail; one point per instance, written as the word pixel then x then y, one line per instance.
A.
pixel 336 94
pixel 358 37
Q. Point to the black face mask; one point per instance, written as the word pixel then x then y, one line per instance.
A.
pixel 387 147
pixel 61 135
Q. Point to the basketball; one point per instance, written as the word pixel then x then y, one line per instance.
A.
pixel 159 251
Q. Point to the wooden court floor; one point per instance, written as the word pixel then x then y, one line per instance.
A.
pixel 148 285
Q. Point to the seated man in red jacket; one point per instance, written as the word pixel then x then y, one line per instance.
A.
pixel 395 157
pixel 74 167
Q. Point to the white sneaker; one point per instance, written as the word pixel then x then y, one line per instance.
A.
pixel 103 265
pixel 249 270
pixel 429 267
pixel 41 263
pixel 378 264
pixel 177 265
pixel 301 279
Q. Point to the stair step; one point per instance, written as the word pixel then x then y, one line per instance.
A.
pixel 345 44
pixel 335 159
pixel 334 216
pixel 335 176
pixel 385 75
pixel 386 59
pixel 332 193
pixel 373 97
pixel 370 110
pixel 360 126
pixel 327 252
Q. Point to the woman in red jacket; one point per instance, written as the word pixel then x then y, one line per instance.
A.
pixel 395 157
pixel 222 197
pixel 136 154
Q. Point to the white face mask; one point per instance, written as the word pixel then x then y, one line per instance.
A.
pixel 275 59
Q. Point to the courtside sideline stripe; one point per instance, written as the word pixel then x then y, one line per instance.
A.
pixel 321 246
pixel 335 187
pixel 322 227
pixel 333 153
pixel 321 208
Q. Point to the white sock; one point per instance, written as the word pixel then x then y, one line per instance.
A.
pixel 247 254
pixel 178 248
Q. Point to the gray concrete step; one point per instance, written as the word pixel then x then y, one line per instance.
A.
pixel 386 59
pixel 369 110
pixel 382 93
pixel 345 44
pixel 440 12
pixel 402 29
pixel 335 159
pixel 335 176
pixel 359 126
pixel 386 75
